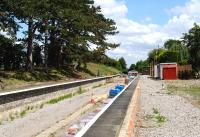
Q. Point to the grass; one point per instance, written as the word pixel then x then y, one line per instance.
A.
pixel 23 113
pixel 195 91
pixel 96 86
pixel 67 96
pixel 160 119
pixel 30 108
pixel 155 110
pixel 157 115
pixel 10 80
pixel 102 69
pixel 156 118
pixel 58 99
pixel 192 91
pixel 94 69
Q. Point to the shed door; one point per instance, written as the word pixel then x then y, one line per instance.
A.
pixel 169 73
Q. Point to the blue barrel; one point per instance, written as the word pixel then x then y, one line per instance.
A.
pixel 120 87
pixel 113 92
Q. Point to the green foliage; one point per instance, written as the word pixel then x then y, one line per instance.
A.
pixel 104 59
pixel 155 55
pixel 160 118
pixel 59 33
pixel 104 70
pixel 171 53
pixel 155 110
pixel 97 86
pixel 23 113
pixel 167 56
pixel 80 90
pixel 192 41
pixel 141 64
pixel 12 55
pixel 132 67
pixel 61 98
pixel 181 51
pixel 58 99
pixel 123 65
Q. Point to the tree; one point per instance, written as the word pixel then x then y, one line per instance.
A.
pixel 192 41
pixel 59 32
pixel 132 67
pixel 141 64
pixel 11 55
pixel 167 57
pixel 155 54
pixel 181 51
pixel 123 63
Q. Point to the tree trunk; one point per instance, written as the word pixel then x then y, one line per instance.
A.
pixel 46 47
pixel 52 49
pixel 29 64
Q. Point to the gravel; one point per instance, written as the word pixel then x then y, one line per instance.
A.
pixel 34 123
pixel 182 118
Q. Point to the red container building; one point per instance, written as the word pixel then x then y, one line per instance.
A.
pixel 167 71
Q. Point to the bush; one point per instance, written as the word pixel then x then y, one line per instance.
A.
pixel 185 75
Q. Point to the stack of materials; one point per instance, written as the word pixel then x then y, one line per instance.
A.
pixel 117 90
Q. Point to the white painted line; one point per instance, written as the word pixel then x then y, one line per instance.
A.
pixel 41 87
pixel 89 124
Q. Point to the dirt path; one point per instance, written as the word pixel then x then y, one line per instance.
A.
pixel 165 115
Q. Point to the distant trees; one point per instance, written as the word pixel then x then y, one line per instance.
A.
pixel 192 42
pixel 140 65
pixel 184 51
pixel 132 67
pixel 57 33
pixel 178 49
pixel 123 64
pixel 173 51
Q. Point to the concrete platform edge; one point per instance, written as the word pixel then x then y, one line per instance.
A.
pixel 128 126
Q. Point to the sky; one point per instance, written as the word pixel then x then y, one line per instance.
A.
pixel 145 24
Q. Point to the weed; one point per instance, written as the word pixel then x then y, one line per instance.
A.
pixel 97 86
pixel 155 110
pixel 58 99
pixel 41 106
pixel 52 135
pixel 27 108
pixel 80 90
pixel 31 107
pixel 11 117
pixel 160 119
pixel 149 116
pixel 23 113
pixel 16 114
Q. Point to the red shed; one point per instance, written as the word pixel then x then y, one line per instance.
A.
pixel 168 71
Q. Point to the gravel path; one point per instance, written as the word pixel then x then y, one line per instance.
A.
pixel 34 123
pixel 181 118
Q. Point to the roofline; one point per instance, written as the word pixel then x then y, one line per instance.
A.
pixel 167 63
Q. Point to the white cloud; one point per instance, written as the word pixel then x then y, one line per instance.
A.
pixel 190 8
pixel 148 19
pixel 137 39
pixel 112 8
